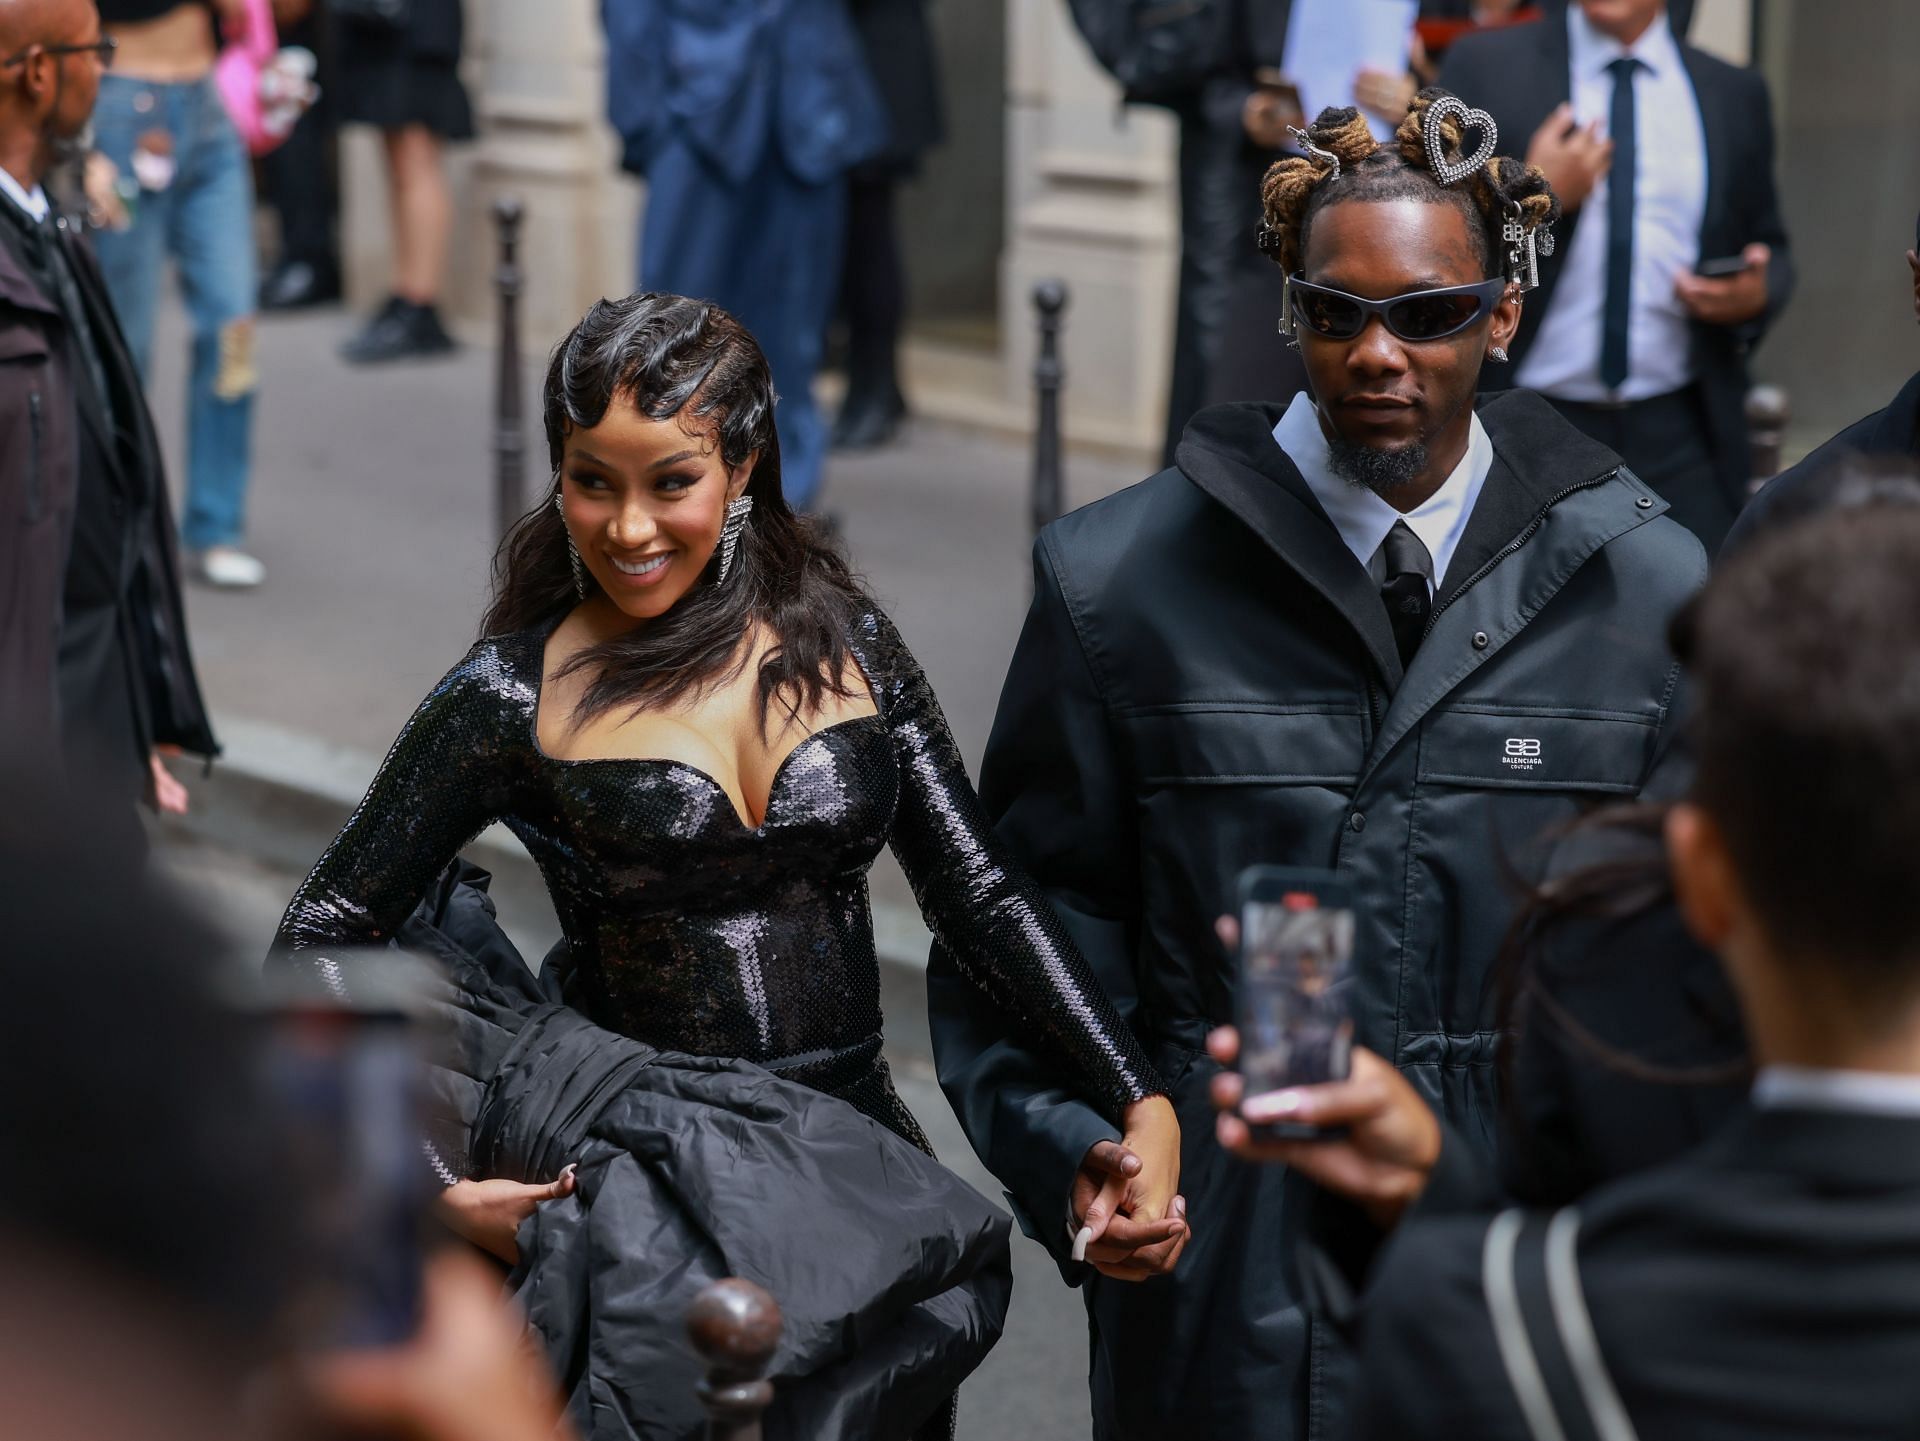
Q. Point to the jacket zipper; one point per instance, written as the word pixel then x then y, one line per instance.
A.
pixel 35 488
pixel 1539 519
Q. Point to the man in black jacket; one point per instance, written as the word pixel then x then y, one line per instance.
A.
pixel 94 667
pixel 1765 1285
pixel 1892 431
pixel 1663 156
pixel 1244 660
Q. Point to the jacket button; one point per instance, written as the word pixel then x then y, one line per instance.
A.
pixel 1645 502
pixel 1358 821
pixel 1480 641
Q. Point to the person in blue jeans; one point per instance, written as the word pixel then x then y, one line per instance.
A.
pixel 186 188
pixel 745 117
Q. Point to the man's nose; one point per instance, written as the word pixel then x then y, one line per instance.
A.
pixel 1375 350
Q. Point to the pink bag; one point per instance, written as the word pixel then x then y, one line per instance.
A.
pixel 246 59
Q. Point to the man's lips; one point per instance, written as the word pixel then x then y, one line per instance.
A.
pixel 1379 402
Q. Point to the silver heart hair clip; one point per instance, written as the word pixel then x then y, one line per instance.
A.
pixel 1450 172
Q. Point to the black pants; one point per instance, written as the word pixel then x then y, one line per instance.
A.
pixel 873 283
pixel 298 178
pixel 1219 215
pixel 1666 442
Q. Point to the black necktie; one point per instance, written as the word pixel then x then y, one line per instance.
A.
pixel 1613 325
pixel 1405 592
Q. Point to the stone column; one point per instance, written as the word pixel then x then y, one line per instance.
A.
pixel 1092 199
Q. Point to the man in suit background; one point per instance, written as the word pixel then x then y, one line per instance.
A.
pixel 94 667
pixel 1766 1285
pixel 1663 157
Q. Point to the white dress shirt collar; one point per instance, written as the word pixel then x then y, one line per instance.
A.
pixel 1363 518
pixel 1807 1088
pixel 1590 51
pixel 33 202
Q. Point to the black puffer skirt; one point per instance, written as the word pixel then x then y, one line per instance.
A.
pixel 892 1274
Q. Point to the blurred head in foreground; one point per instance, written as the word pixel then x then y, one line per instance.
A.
pixel 143 1230
pixel 1793 855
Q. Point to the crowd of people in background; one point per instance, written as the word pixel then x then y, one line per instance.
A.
pixel 1460 595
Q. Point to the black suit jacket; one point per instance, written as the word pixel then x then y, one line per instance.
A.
pixel 1520 74
pixel 1768 1286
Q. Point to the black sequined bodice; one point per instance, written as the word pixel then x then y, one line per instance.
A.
pixel 690 929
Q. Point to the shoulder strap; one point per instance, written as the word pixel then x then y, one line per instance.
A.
pixel 1572 1396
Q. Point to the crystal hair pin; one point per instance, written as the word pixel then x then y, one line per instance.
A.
pixel 1449 172
pixel 1524 247
pixel 1325 157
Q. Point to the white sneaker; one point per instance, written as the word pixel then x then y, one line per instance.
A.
pixel 229 568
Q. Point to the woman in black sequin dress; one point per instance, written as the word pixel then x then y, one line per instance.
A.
pixel 704 732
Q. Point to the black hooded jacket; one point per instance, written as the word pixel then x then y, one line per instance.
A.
pixel 1207 680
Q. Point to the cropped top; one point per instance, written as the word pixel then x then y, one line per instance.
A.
pixel 689 929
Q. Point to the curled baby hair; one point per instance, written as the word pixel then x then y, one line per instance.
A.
pixel 1298 187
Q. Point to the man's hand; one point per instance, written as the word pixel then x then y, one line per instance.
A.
pixel 1385 93
pixel 1730 299
pixel 1572 157
pixel 169 796
pixel 1119 1244
pixel 489 1213
pixel 470 1374
pixel 1390 1145
pixel 1265 117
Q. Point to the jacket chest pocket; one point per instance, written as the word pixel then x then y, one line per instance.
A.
pixel 1221 745
pixel 1603 752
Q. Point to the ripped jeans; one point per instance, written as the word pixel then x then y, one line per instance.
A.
pixel 204 220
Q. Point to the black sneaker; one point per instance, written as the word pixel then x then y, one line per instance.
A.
pixel 298 284
pixel 401 331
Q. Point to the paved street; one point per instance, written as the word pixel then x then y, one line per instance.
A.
pixel 371 508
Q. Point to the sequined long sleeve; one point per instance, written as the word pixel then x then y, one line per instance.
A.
pixel 440 784
pixel 981 907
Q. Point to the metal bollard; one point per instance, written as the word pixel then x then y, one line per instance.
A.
pixel 509 434
pixel 735 1326
pixel 1768 411
pixel 1049 377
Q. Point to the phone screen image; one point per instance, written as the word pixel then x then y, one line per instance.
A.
pixel 349 1083
pixel 1293 1004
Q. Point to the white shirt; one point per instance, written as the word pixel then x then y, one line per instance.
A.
pixel 34 202
pixel 1808 1088
pixel 1669 206
pixel 1363 518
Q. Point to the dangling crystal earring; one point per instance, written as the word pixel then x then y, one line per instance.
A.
pixel 573 551
pixel 1497 353
pixel 730 532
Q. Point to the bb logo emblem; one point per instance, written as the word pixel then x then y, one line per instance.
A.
pixel 1522 753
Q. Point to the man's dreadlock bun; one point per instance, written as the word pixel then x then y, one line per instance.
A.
pixel 1369 170
pixel 1291 183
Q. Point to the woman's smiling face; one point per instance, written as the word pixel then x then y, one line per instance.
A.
pixel 645 501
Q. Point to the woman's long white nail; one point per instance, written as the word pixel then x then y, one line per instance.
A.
pixel 1081 1239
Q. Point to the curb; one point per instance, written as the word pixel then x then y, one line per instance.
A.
pixel 280 795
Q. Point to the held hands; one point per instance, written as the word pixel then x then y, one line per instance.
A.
pixel 1132 1220
pixel 1573 157
pixel 1730 299
pixel 1389 1147
pixel 489 1213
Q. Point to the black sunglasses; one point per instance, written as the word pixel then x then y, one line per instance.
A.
pixel 1421 315
pixel 102 50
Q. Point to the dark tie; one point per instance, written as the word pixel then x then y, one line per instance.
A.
pixel 1405 591
pixel 1613 325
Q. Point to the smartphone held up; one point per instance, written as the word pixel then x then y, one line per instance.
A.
pixel 1293 1002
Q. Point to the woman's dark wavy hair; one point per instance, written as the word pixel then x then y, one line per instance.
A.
pixel 670 356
